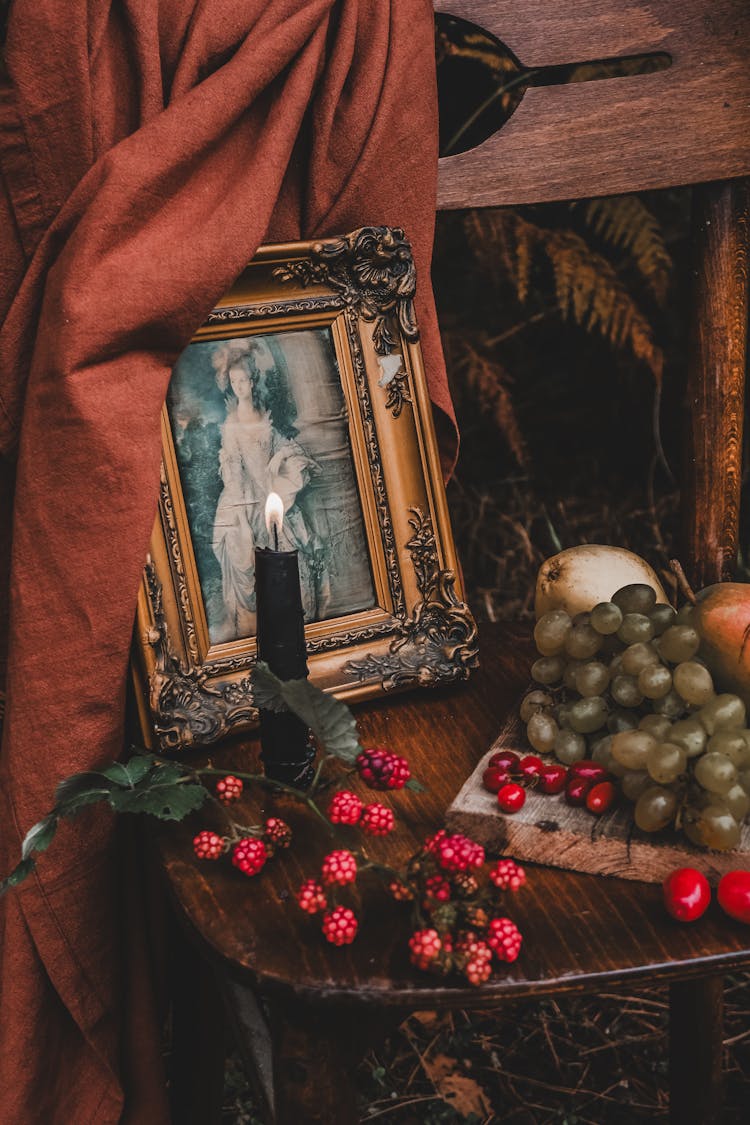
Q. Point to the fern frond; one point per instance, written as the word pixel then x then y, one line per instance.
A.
pixel 488 383
pixel 625 222
pixel 588 287
pixel 503 232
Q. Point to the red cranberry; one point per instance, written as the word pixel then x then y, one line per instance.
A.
pixel 592 771
pixel 686 894
pixel 734 895
pixel 506 760
pixel 511 797
pixel 493 777
pixel 576 789
pixel 601 797
pixel 552 778
pixel 530 766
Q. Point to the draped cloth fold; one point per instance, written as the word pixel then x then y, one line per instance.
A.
pixel 146 150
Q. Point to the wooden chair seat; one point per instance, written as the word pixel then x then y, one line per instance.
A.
pixel 580 932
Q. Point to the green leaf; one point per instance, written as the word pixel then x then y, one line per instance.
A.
pixel 18 874
pixel 39 838
pixel 162 798
pixel 417 786
pixel 131 772
pixel 330 720
pixel 79 783
pixel 73 805
pixel 267 689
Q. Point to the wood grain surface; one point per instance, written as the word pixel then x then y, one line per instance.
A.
pixel 548 830
pixel 715 392
pixel 580 931
pixel 687 124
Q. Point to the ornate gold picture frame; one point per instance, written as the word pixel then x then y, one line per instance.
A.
pixel 308 375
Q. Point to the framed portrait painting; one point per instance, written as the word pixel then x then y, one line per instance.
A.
pixel 305 381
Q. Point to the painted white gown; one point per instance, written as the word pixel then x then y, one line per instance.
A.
pixel 256 459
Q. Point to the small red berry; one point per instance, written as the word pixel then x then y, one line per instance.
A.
pixel 345 808
pixel 339 867
pixel 530 766
pixel 504 939
pixel 576 789
pixel 381 769
pixel 511 797
pixel 438 888
pixel 311 897
pixel 432 843
pixel 592 771
pixel 686 894
pixel 601 797
pixel 476 956
pixel 464 884
pixel 340 926
pixel 229 789
pixel 459 853
pixel 505 760
pixel 400 891
pixel 470 945
pixel 507 875
pixel 424 946
pixel 477 970
pixel 377 820
pixel 552 778
pixel 493 777
pixel 249 855
pixel 207 845
pixel 734 895
pixel 277 832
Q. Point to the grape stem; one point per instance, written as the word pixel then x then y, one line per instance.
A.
pixel 676 567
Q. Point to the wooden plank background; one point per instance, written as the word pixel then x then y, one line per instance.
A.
pixel 687 124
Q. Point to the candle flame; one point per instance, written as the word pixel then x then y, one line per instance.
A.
pixel 274 512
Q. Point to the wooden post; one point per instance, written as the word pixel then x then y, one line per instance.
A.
pixel 695 1046
pixel 716 381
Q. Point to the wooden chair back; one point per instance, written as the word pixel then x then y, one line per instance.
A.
pixel 688 124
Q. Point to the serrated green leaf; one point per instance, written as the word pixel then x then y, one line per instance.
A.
pixel 417 786
pixel 40 836
pixel 165 800
pixel 131 772
pixel 18 874
pixel 329 719
pixel 165 772
pixel 267 689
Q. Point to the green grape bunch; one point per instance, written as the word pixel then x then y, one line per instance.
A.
pixel 624 685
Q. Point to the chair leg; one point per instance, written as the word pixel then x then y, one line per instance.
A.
pixel 716 381
pixel 315 1055
pixel 695 1049
pixel 199 1041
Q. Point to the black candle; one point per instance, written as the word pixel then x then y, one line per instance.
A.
pixel 287 751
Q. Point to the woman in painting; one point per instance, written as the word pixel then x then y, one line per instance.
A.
pixel 259 455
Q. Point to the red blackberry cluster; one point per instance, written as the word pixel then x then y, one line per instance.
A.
pixel 381 769
pixel 346 808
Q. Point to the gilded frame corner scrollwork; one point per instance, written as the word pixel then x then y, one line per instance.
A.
pixel 420 632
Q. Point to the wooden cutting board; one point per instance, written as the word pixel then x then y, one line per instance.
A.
pixel 548 830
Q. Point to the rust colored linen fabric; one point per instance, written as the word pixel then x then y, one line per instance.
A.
pixel 146 150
